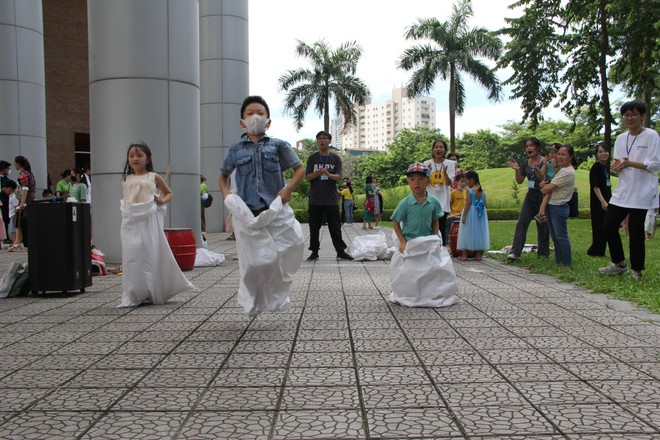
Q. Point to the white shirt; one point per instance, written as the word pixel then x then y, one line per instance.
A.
pixel 442 192
pixel 637 188
pixel 13 204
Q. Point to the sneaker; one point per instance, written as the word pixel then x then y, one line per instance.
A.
pixel 636 274
pixel 343 256
pixel 513 257
pixel 313 256
pixel 613 269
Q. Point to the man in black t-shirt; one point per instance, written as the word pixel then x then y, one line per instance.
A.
pixel 323 172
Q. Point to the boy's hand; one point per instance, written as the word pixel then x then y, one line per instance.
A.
pixel 402 246
pixel 285 194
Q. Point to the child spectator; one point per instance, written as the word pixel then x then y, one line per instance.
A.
pixel 549 170
pixel 474 235
pixel 64 186
pixel 9 188
pixel 456 201
pixel 151 274
pixel 454 183
pixel 78 190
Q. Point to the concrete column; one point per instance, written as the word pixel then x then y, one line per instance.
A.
pixel 144 86
pixel 22 85
pixel 223 29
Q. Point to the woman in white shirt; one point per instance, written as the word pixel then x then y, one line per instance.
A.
pixel 561 189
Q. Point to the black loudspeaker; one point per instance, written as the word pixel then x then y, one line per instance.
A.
pixel 59 246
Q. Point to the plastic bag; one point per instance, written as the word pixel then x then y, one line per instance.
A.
pixel 370 247
pixel 423 276
pixel 206 258
pixel 270 249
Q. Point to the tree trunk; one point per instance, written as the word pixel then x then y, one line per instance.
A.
pixel 452 111
pixel 602 68
pixel 326 111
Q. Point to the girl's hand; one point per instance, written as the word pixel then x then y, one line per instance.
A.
pixel 158 200
pixel 513 164
pixel 463 219
pixel 604 205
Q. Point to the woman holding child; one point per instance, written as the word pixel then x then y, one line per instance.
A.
pixel 560 191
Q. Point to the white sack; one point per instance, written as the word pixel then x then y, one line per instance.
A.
pixel 13 273
pixel 206 258
pixel 423 276
pixel 270 249
pixel 150 271
pixel 370 247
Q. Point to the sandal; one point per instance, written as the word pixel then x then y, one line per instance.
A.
pixel 541 218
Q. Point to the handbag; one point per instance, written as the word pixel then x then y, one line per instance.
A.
pixel 206 203
pixel 573 210
pixel 369 205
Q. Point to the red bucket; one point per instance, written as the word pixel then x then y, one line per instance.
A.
pixel 183 245
pixel 453 240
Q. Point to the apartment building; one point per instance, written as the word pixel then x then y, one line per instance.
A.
pixel 378 123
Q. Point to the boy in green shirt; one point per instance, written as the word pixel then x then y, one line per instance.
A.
pixel 418 214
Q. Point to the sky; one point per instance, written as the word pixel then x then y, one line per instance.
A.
pixel 276 25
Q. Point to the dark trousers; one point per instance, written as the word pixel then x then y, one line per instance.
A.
pixel 614 217
pixel 529 209
pixel 598 238
pixel 331 214
pixel 443 229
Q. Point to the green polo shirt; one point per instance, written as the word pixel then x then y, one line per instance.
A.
pixel 416 219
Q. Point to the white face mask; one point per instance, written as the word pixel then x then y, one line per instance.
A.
pixel 256 124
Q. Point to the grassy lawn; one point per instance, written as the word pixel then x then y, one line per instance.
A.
pixel 584 271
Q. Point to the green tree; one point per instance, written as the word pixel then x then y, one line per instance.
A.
pixel 453 48
pixel 636 38
pixel 408 146
pixel 577 135
pixel 481 150
pixel 559 51
pixel 330 78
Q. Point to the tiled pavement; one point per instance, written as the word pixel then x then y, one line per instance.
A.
pixel 522 357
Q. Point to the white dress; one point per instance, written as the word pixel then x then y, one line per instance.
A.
pixel 150 272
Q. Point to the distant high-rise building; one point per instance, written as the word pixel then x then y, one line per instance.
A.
pixel 378 123
pixel 336 131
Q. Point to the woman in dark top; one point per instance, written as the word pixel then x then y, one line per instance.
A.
pixel 28 189
pixel 600 194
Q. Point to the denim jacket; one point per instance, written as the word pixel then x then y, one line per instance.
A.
pixel 259 169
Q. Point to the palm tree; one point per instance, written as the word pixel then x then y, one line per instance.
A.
pixel 452 49
pixel 331 77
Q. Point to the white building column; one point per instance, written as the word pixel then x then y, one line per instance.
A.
pixel 22 86
pixel 144 86
pixel 223 30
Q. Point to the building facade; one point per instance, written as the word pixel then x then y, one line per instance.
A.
pixel 378 123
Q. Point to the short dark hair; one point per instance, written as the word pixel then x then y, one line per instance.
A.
pixel 323 133
pixel 602 145
pixel 634 105
pixel 252 99
pixel 10 184
pixel 4 164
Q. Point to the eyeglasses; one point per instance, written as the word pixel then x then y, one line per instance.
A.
pixel 630 115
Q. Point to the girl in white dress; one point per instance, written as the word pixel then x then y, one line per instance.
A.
pixel 442 172
pixel 150 272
